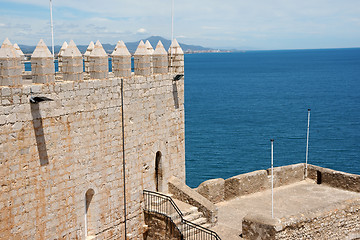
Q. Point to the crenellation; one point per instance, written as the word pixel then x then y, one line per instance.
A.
pixel 121 61
pixel 98 62
pixel 150 51
pixel 176 58
pixel 72 63
pixel 42 65
pixel 10 65
pixel 160 60
pixel 142 60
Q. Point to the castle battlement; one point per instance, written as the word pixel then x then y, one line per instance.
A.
pixel 94 64
pixel 71 165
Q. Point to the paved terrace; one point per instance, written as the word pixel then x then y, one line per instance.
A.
pixel 289 200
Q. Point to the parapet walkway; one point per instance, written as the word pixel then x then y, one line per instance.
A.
pixel 288 200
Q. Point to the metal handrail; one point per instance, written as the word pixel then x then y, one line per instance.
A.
pixel 187 228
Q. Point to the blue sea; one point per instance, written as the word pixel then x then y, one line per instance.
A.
pixel 236 102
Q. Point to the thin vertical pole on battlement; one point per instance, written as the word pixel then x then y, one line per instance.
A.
pixel 123 150
pixel 307 143
pixel 272 178
pixel 52 30
pixel 172 21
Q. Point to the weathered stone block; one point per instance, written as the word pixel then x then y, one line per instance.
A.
pixel 213 190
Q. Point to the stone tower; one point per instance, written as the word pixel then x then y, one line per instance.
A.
pixel 76 154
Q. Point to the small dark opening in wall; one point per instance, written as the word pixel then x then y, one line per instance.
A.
pixel 318 177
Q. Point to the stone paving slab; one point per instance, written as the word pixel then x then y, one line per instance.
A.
pixel 288 200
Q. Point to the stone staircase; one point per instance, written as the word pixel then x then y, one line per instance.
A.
pixel 190 213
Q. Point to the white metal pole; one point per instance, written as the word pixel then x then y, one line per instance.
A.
pixel 272 178
pixel 52 29
pixel 172 35
pixel 307 143
pixel 172 21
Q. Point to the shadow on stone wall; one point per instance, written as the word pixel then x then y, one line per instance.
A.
pixel 39 134
pixel 175 95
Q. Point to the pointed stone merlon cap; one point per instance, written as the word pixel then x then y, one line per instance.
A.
pixel 72 63
pixel 176 58
pixel 121 60
pixel 160 59
pixel 175 48
pixel 72 51
pixel 98 62
pixel 18 50
pixel 10 65
pixel 89 49
pixel 149 47
pixel 142 60
pixel 42 64
pixel 121 50
pixel 62 49
pixel 87 55
pixel 141 49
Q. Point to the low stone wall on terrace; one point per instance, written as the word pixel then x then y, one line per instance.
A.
pixel 218 190
pixel 338 221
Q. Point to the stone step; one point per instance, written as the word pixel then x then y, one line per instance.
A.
pixel 193 216
pixel 207 225
pixel 189 217
pixel 200 221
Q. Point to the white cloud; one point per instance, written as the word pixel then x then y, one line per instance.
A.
pixel 141 30
pixel 2 24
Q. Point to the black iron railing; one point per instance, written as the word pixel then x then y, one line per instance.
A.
pixel 163 204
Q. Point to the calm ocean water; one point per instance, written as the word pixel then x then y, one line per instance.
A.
pixel 236 102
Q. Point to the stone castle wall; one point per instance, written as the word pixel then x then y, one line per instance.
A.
pixel 61 161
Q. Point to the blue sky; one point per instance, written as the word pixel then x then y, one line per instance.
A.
pixel 240 24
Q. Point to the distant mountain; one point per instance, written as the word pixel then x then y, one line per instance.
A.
pixel 130 45
pixel 155 39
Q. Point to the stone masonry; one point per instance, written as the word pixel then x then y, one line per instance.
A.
pixel 61 161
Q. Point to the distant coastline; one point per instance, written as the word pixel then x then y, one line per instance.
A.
pixel 207 51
